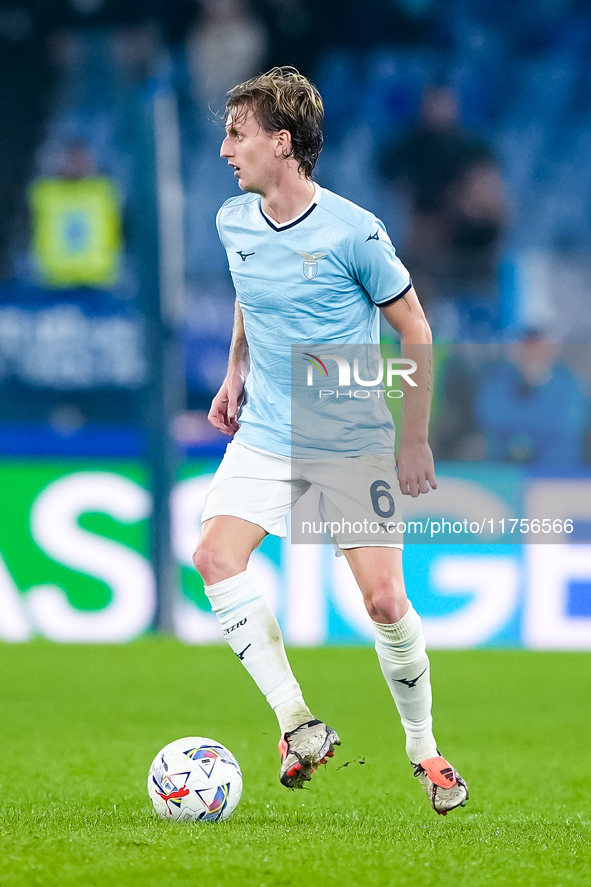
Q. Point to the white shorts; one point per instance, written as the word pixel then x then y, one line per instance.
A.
pixel 353 500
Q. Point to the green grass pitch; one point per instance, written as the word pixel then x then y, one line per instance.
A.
pixel 79 727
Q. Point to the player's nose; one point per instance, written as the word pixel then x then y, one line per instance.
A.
pixel 225 149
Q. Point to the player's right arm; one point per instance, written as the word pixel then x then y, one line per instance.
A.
pixel 227 402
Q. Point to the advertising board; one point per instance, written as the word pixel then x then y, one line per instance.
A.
pixel 74 564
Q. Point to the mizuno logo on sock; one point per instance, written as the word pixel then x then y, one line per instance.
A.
pixel 234 627
pixel 413 681
pixel 241 655
pixel 244 256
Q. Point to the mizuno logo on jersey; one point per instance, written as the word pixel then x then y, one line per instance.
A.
pixel 243 256
pixel 310 268
pixel 375 236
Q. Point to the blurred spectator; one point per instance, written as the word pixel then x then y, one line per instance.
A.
pixel 76 222
pixel 458 213
pixel 225 46
pixel 533 409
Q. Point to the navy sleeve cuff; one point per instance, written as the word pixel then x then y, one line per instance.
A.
pixel 395 298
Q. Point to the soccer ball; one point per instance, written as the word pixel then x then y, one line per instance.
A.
pixel 195 779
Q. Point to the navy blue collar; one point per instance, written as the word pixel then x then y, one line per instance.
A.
pixel 291 224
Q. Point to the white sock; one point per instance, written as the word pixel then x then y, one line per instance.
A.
pixel 254 635
pixel 405 665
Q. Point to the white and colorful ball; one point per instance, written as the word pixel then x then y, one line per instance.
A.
pixel 195 779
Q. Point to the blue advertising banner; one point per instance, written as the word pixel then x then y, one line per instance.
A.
pixel 74 564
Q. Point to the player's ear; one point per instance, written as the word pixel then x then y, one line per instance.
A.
pixel 283 143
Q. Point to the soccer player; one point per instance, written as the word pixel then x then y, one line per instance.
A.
pixel 309 266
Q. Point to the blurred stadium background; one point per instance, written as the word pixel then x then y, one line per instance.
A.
pixel 464 124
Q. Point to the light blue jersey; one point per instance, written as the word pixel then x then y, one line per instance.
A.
pixel 317 279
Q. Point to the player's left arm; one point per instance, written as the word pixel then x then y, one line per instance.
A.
pixel 416 470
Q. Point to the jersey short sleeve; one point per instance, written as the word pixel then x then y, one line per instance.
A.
pixel 218 224
pixel 375 265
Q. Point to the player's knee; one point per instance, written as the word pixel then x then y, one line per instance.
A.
pixel 212 563
pixel 199 559
pixel 386 603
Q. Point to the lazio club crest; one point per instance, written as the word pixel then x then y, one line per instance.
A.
pixel 310 268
